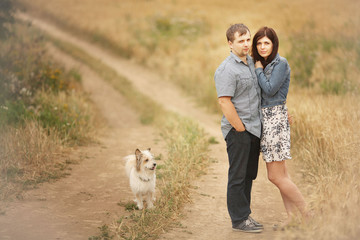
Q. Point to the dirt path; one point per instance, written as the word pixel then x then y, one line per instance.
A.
pixel 74 207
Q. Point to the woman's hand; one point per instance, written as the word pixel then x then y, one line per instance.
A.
pixel 258 65
pixel 290 119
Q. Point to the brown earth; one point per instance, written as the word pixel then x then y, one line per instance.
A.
pixel 74 207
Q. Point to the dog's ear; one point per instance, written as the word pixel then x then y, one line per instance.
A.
pixel 137 152
pixel 138 159
pixel 138 164
pixel 149 149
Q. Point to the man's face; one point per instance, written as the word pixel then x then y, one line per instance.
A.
pixel 241 44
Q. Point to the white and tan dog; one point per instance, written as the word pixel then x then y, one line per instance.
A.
pixel 140 169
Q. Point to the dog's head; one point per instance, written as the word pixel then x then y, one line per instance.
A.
pixel 145 160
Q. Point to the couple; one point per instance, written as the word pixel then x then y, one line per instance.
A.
pixel 252 94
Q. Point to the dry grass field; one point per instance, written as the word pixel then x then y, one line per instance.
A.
pixel 325 142
pixel 185 41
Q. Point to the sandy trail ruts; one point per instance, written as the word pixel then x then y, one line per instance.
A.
pixel 144 80
pixel 206 217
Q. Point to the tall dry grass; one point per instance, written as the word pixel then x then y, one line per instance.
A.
pixel 326 142
pixel 26 156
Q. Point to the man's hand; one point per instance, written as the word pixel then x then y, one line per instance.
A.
pixel 242 129
pixel 228 109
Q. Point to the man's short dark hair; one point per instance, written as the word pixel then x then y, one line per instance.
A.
pixel 238 27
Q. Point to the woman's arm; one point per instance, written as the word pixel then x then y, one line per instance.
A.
pixel 277 78
pixel 229 111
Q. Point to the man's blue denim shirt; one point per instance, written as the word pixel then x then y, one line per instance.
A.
pixel 235 79
pixel 274 81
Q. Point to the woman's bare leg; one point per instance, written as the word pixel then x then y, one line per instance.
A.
pixel 291 195
pixel 289 206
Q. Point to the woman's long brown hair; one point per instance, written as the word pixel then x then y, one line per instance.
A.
pixel 271 34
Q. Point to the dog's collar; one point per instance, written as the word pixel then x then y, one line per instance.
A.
pixel 144 180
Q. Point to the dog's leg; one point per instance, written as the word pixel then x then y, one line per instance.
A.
pixel 149 199
pixel 139 201
pixel 152 196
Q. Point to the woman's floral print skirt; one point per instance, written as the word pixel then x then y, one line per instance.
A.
pixel 275 139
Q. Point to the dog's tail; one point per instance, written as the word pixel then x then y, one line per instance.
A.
pixel 130 163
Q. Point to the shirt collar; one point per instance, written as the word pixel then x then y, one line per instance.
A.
pixel 237 59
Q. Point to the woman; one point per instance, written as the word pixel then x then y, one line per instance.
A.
pixel 273 73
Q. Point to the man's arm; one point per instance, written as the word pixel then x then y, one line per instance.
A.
pixel 229 111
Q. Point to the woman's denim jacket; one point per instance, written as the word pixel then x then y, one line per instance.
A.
pixel 274 81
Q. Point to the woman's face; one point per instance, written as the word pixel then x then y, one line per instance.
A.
pixel 264 47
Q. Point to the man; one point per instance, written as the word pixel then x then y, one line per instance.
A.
pixel 239 98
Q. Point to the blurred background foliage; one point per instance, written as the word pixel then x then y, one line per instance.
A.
pixel 184 41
